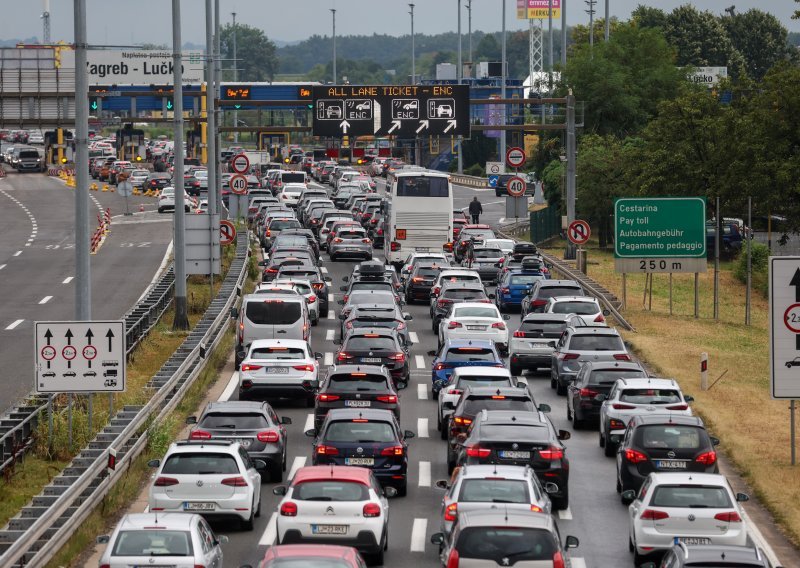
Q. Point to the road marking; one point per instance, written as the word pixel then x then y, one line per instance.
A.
pixel 15 324
pixel 578 562
pixel 299 461
pixel 230 387
pixel 424 474
pixel 759 540
pixel 2 266
pixel 309 422
pixel 331 309
pixel 412 335
pixel 45 300
pixel 328 359
pixel 418 533
pixel 422 391
pixel 422 428
pixel 323 269
pixel 419 360
pixel 271 532
pixel 330 334
pixel 565 514
pixel 68 279
pixel 19 252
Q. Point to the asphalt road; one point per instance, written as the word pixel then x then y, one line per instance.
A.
pixel 37 265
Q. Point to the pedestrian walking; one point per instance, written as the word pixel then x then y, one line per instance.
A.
pixel 475 209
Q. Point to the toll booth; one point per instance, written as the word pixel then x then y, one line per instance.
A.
pixel 59 147
pixel 130 144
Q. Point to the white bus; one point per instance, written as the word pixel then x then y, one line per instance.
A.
pixel 419 215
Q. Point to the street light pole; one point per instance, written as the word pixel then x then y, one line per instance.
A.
pixel 235 78
pixel 608 23
pixel 502 155
pixel 217 83
pixel 333 12
pixel 181 320
pixel 413 55
pixel 211 136
pixel 469 29
pixel 83 288
pixel 563 34
pixel 460 75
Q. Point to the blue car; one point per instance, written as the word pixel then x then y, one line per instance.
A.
pixel 513 286
pixel 461 353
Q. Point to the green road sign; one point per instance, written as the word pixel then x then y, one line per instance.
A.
pixel 660 227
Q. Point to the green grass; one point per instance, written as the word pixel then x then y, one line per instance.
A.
pixel 24 482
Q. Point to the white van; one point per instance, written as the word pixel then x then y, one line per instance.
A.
pixel 276 316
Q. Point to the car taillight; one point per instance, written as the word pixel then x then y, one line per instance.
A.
pixel 558 560
pixel 499 325
pixel 635 456
pixel 728 517
pixel 200 435
pixel 568 356
pixel 615 424
pixel 366 241
pixel 268 436
pixel 371 510
pixel 587 393
pixel 440 366
pixel 317 285
pixel 462 421
pixel 388 398
pixel 551 453
pixel 289 509
pixel 328 397
pixel 519 333
pixel 395 246
pixel 380 231
pixel 452 560
pixel 237 481
pixel 311 299
pixel 343 356
pixel 443 302
pixel 457 392
pixel 337 240
pixel 478 452
pixel 600 318
pixel 249 367
pixel 707 458
pixel 454 325
pixel 392 451
pixel 653 515
pixel 397 356
pixel 417 279
pixel 327 451
pixel 373 221
pixel 451 512
pixel 505 290
pixel 620 406
pixel 677 407
pixel 435 290
pixel 307 367
pixel 165 482
pixel 484 301
pixel 539 302
pixel 622 357
pixel 315 221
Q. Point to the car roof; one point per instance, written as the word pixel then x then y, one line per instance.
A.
pixel 365 413
pixel 286 297
pixel 337 472
pixel 163 520
pixel 306 550
pixel 455 343
pixel 559 283
pixel 709 553
pixel 465 284
pixel 518 418
pixel 504 518
pixel 345 369
pixel 473 305
pixel 542 316
pixel 460 372
pixel 556 299
pixel 612 366
pixel 498 391
pixel 692 478
pixel 594 330
pixel 234 406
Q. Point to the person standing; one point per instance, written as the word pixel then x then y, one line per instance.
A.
pixel 475 209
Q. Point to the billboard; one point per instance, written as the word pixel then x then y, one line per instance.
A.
pixel 137 67
pixel 537 9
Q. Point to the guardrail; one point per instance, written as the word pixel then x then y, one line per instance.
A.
pixel 469 181
pixel 35 535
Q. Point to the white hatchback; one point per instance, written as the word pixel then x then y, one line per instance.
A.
pixel 278 368
pixel 475 320
pixel 290 194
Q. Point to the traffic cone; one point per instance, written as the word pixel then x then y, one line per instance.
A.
pixel 105 187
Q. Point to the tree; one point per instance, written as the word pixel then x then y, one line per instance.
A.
pixel 256 53
pixel 759 37
pixel 478 149
pixel 649 17
pixel 580 33
pixel 553 182
pixel 488 49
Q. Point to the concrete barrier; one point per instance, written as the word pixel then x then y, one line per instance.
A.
pixel 469 181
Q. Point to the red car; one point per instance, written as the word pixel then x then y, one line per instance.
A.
pixel 316 555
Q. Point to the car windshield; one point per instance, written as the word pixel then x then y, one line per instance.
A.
pixel 596 343
pixel 273 353
pixel 329 490
pixel 691 496
pixel 671 437
pixel 357 382
pixel 253 421
pixel 584 308
pixel 364 432
pixel 153 543
pixel 468 354
pixel 497 543
pixel 608 376
pixel 487 253
pixel 273 312
pixel 366 343
pixel 524 279
pixel 650 396
pixel 475 403
pixel 200 463
pixel 475 312
pixel 493 491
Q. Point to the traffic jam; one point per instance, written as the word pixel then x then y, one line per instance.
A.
pixel 412 386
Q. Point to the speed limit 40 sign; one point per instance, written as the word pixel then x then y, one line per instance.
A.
pixel 516 186
pixel 238 184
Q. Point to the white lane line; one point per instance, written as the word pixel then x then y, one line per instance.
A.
pixel 422 428
pixel 27 245
pixel 323 269
pixel 412 335
pixel 309 422
pixel 424 474
pixel 45 299
pixel 331 309
pixel 299 461
pixel 328 361
pixel 230 388
pixel 422 391
pixel 14 324
pixel 419 360
pixel 19 252
pixel 330 334
pixel 578 562
pixel 565 514
pixel 271 532
pixel 418 533
pixel 759 539
pixel 68 279
pixel 2 266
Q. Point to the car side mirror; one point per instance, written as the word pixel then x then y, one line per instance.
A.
pixel 286 420
pixel 222 539
pixel 491 296
pixel 310 385
pixel 191 419
pixel 572 542
pixel 242 355
pixel 742 497
pixel 600 397
pixel 408 434
pixel 714 441
pixel 506 317
pixel 259 464
pixel 431 353
pixel 318 355
pixel 154 463
pixel 408 317
pixel 402 385
pixel 103 539
pixel 564 435
pixel 389 492
pixel 437 538
pixel 442 484
pixel 327 280
pixel 262 263
pixel 311 433
pixel 688 398
pixel 234 313
pixel 279 490
pixel 542 407
pixel 550 487
pixel 606 313
pixel 628 496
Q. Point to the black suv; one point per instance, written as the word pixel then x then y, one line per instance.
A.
pixel 420 282
pixel 355 386
pixel 376 346
pixel 596 377
pixel 378 315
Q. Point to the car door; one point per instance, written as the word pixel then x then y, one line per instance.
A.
pixel 212 552
pixel 252 474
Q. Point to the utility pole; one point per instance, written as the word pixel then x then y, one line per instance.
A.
pixel 83 276
pixel 469 30
pixel 333 13
pixel 235 79
pixel 591 11
pixel 219 116
pixel 563 34
pixel 571 156
pixel 413 54
pixel 607 23
pixel 181 320
pixel 460 75
pixel 211 131
pixel 502 156
pixel 550 45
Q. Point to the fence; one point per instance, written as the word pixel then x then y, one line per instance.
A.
pixel 545 223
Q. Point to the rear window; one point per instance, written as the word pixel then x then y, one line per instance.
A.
pixel 350 234
pixel 364 343
pixel 475 312
pixel 581 308
pixel 553 291
pixel 596 343
pixel 479 234
pixel 487 253
pixel 277 353
pixel 543 326
pixel 524 279
pixel 153 543
pixel 527 433
pixel 468 354
pixel 428 272
pixel 350 431
pixel 496 543
pixel 367 285
pixel 237 421
pixel 691 496
pixel 650 396
pixel 280 224
pixel 608 377
pixel 358 382
pixel 493 491
pixel 483 381
pixel 273 312
pixel 291 273
pixel 201 463
pixel 671 437
pixel 423 187
pixel 329 490
pixel 293 178
pixel 465 294
pixel 474 404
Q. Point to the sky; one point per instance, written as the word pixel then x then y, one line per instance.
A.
pixel 131 22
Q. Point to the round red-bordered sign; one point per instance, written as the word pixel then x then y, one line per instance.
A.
pixel 48 352
pixel 515 157
pixel 516 186
pixel 788 320
pixel 240 164
pixel 89 352
pixel 227 232
pixel 69 352
pixel 578 232
pixel 238 184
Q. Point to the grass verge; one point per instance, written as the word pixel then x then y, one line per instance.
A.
pixel 754 429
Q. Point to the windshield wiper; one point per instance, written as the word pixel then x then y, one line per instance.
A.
pixel 318 499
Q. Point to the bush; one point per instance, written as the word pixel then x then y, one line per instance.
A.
pixel 759 263
pixel 475 170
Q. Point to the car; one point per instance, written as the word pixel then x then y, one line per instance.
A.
pixel 594 378
pixel 319 555
pixel 631 397
pixel 138 178
pixel 543 290
pixel 793 363
pixel 278 368
pixel 452 275
pixel 521 438
pixel 506 245
pixel 365 297
pixel 274 226
pixel 278 316
pixel 682 555
pixel 166 200
pixel 461 353
pixel 290 193
pixel 379 315
pixel 420 281
pixel 475 320
pixel 660 443
pixel 482 487
pixel 454 293
pixel 319 283
pixel 365 437
pixel 70 374
pixel 364 283
pixel 350 241
pixel 498 537
pixel 215 478
pixel 376 346
pixel 513 286
pixel 484 260
pixel 532 344
pixel 462 378
pixel 333 112
pixel 305 289
pixel 693 508
pixel 585 306
pixel 427 257
pixel 360 517
pixel 355 386
pixel 173 538
pixel 282 259
pixel 296 236
pixel 474 234
pixel 253 424
pixel 375 270
pixel 576 346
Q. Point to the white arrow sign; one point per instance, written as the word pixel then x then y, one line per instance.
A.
pixel 344 126
pixel 423 125
pixel 451 124
pixel 395 125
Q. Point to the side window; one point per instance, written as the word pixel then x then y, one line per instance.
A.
pixel 245 458
pixel 612 395
pixel 274 417
pixel 643 490
pixel 206 538
pixel 628 436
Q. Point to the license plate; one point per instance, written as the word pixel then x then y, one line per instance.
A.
pixel 371 359
pixel 277 370
pixel 476 327
pixel 329 529
pixel 670 464
pixel 691 540
pixel 510 455
pixel 359 461
pixel 357 403
pixel 198 506
pixel 538 345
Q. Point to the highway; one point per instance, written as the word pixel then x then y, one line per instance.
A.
pixel 37 265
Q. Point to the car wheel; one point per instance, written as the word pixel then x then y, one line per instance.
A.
pixel 333 258
pixel 377 558
pixel 608 447
pixel 553 381
pixel 569 414
pixel 562 503
pixel 276 472
pixel 602 440
pixel 638 559
pixel 561 390
pixel 160 209
pixel 631 548
pixel 516 371
pixel 258 510
pixel 577 423
pixel 248 524
pixel 619 489
pixel 409 299
pixel 402 490
pixel 314 322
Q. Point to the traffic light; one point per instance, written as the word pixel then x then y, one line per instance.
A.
pixel 170 104
pixel 94 104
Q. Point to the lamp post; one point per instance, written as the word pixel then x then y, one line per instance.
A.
pixel 333 13
pixel 413 55
pixel 235 78
pixel 502 156
pixel 460 75
pixel 469 29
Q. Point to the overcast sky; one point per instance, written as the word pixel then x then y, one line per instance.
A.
pixel 149 21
